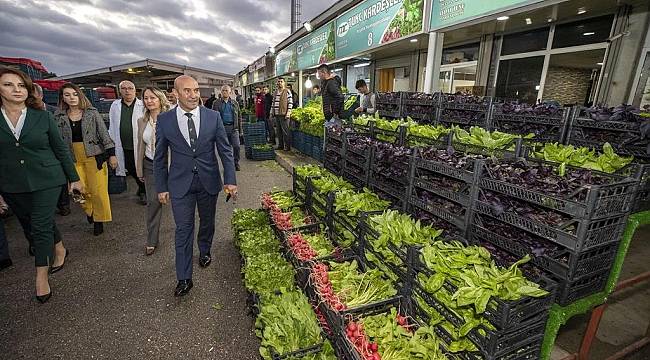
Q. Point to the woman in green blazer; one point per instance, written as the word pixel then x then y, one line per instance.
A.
pixel 34 163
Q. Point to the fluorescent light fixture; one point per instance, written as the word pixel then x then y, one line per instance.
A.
pixel 272 49
pixel 361 65
pixel 338 69
pixel 549 20
pixel 581 11
pixel 599 64
pixel 589 33
pixel 308 83
pixel 307 26
pixel 503 18
pixel 293 74
pixel 529 21
pixel 537 87
pixel 414 40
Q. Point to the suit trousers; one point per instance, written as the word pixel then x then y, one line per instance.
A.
pixel 4 245
pixel 183 209
pixel 154 207
pixel 129 164
pixel 284 135
pixel 35 211
pixel 233 138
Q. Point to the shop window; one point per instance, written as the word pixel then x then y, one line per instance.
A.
pixel 357 73
pixel 533 40
pixel 520 78
pixel 642 95
pixel 583 32
pixel 572 78
pixel 460 54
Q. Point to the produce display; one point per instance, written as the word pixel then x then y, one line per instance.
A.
pixel 287 323
pixel 490 140
pixel 307 247
pixel 266 273
pixel 606 161
pixel 310 117
pixel 279 200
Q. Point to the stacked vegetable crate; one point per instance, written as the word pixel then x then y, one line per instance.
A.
pixel 255 134
pixel 464 110
pixel 389 170
pixel 389 104
pixel 572 235
pixel 443 188
pixel 546 122
pixel 357 148
pixel 333 156
pixel 421 107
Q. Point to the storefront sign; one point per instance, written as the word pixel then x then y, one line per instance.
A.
pixel 450 12
pixel 286 60
pixel 317 47
pixel 375 22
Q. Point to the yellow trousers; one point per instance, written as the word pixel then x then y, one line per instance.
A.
pixel 98 204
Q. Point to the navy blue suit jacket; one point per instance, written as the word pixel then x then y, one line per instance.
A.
pixel 177 177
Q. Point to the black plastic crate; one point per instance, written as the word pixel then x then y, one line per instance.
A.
pixel 574 234
pixel 463 117
pixel 394 98
pixel 421 98
pixel 250 140
pixel 464 172
pixel 571 291
pixel 505 314
pixel 255 128
pixel 459 220
pixel 562 263
pixel 260 155
pixel 589 202
pixel 465 102
pixel 461 195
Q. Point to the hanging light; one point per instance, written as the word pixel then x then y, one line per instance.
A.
pixel 308 83
pixel 307 26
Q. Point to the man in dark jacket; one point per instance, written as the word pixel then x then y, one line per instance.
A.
pixel 268 103
pixel 331 92
pixel 231 117
pixel 210 101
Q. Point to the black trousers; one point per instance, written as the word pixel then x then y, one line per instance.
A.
pixel 35 211
pixel 64 198
pixel 129 163
pixel 4 245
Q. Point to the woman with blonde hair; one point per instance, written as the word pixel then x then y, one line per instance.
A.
pixel 155 102
pixel 83 130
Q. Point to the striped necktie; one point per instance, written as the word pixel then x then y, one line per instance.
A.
pixel 192 130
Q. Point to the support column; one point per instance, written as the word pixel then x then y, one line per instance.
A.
pixel 300 86
pixel 434 58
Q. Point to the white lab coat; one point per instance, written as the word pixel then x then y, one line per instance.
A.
pixel 114 131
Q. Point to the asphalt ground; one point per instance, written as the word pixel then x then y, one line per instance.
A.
pixel 112 302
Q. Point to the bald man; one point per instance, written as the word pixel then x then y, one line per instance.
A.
pixel 192 181
pixel 123 129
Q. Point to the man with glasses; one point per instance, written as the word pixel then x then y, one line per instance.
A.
pixel 123 129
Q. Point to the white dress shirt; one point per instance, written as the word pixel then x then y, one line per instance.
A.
pixel 19 126
pixel 182 122
pixel 149 141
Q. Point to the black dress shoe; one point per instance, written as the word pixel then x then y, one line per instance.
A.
pixel 237 167
pixel 90 219
pixel 98 229
pixel 183 287
pixel 143 199
pixel 54 269
pixel 205 260
pixel 44 298
pixel 5 264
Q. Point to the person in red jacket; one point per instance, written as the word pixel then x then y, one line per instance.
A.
pixel 260 109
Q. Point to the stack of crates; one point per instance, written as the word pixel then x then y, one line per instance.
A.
pixel 254 137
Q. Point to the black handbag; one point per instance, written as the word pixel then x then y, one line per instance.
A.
pixel 116 183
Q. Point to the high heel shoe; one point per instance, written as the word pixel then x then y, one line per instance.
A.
pixel 54 269
pixel 44 298
pixel 98 229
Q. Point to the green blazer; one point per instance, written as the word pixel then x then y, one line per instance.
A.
pixel 38 160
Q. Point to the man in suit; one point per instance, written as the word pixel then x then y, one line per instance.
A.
pixel 193 180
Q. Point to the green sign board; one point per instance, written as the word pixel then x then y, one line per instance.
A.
pixel 286 60
pixel 317 47
pixel 376 22
pixel 450 12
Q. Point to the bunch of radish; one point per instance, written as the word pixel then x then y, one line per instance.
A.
pixel 368 350
pixel 301 248
pixel 323 286
pixel 403 322
pixel 268 202
pixel 321 319
pixel 282 220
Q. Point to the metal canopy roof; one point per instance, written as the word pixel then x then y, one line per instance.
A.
pixel 148 68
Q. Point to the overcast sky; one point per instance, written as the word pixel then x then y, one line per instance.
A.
pixel 69 36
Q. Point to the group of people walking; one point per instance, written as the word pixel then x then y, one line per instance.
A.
pixel 48 155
